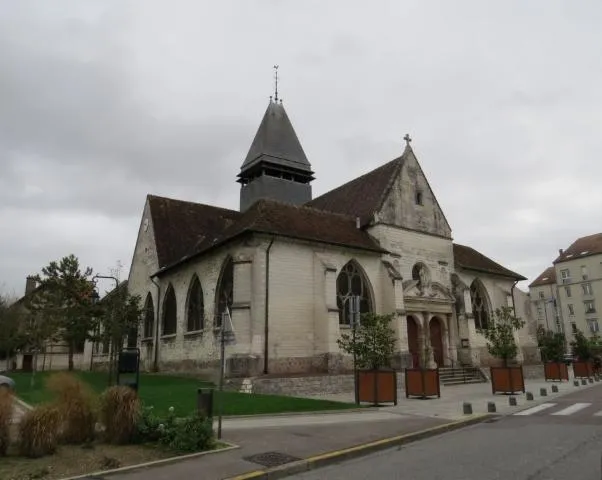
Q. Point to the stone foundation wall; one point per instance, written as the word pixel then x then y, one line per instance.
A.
pixel 310 385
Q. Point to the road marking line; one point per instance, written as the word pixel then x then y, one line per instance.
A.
pixel 536 409
pixel 572 409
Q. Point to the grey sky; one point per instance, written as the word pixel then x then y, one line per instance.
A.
pixel 103 102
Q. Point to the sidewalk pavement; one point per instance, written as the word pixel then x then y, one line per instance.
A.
pixel 302 438
pixel 306 435
pixel 450 405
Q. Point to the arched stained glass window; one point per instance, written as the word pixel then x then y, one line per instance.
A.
pixel 225 291
pixel 480 310
pixel 196 306
pixel 149 316
pixel 170 312
pixel 352 282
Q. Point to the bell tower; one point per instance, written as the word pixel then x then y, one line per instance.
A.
pixel 276 166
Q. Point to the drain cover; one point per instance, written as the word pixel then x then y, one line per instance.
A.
pixel 271 459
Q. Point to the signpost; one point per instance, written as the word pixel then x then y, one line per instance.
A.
pixel 129 363
pixel 227 335
pixel 354 321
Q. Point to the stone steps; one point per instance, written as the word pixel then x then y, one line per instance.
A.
pixel 461 375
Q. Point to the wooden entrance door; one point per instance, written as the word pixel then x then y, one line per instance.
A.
pixel 436 340
pixel 413 343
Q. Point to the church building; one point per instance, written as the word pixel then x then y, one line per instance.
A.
pixel 281 270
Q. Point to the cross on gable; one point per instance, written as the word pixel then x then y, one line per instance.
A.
pixel 408 139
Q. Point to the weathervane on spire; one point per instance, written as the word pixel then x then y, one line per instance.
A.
pixel 408 139
pixel 276 83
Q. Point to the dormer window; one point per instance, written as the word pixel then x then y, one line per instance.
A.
pixel 418 197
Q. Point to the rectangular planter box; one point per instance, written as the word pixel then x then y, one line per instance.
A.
pixel 422 382
pixel 376 386
pixel 507 379
pixel 583 369
pixel 556 371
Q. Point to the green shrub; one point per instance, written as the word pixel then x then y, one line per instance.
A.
pixel 120 414
pixel 39 431
pixel 149 428
pixel 6 414
pixel 191 434
pixel 183 435
pixel 75 402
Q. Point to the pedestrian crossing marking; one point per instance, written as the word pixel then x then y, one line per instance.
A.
pixel 536 409
pixel 572 409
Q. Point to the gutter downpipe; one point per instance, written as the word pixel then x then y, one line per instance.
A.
pixel 266 332
pixel 156 335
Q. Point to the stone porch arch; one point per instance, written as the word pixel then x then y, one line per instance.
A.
pixel 415 339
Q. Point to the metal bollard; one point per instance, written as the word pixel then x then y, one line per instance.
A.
pixel 554 388
pixel 576 383
pixel 491 407
pixel 529 396
pixel 512 401
pixel 467 407
pixel 543 392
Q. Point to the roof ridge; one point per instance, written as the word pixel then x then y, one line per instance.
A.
pixel 160 197
pixel 307 207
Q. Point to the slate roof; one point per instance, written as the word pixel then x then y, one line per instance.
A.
pixel 184 230
pixel 364 195
pixel 276 142
pixel 547 277
pixel 469 258
pixel 582 247
pixel 180 227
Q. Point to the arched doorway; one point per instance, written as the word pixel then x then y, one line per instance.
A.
pixel 413 342
pixel 436 334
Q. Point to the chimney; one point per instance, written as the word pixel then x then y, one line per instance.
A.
pixel 560 251
pixel 30 285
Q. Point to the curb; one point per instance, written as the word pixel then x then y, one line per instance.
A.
pixel 24 405
pixel 296 414
pixel 338 456
pixel 156 463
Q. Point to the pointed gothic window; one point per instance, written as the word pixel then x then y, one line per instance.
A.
pixel 170 312
pixel 480 309
pixel 225 291
pixel 149 316
pixel 352 282
pixel 195 313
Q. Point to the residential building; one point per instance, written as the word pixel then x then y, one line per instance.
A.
pixel 579 273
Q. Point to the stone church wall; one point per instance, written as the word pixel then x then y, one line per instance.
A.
pixel 303 325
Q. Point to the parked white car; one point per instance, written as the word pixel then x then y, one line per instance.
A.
pixel 6 382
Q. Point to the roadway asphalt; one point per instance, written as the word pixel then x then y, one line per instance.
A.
pixel 560 440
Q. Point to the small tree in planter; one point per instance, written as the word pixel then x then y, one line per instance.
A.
pixel 372 343
pixel 502 345
pixel 553 348
pixel 582 350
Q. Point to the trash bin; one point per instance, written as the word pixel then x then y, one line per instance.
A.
pixel 205 402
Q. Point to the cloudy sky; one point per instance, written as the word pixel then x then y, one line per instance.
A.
pixel 103 102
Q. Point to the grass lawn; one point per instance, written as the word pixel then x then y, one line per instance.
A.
pixel 164 391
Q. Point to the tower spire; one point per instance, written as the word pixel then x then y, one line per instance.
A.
pixel 276 83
